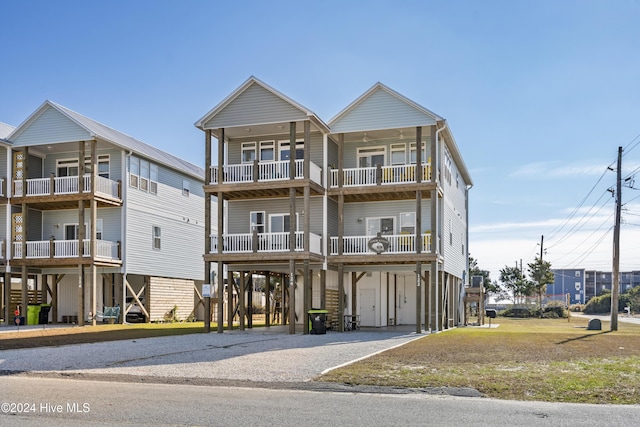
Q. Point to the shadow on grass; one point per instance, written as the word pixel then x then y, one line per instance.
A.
pixel 583 337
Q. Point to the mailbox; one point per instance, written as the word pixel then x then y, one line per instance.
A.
pixel 490 313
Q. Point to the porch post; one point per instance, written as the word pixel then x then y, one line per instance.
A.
pixel 433 296
pixel 283 299
pixel 241 301
pixel 323 289
pixel 231 283
pixel 94 220
pixel 7 297
pixel 341 297
pixel 207 228
pixel 418 297
pixel 307 296
pixel 220 230
pixel 25 294
pixel 267 298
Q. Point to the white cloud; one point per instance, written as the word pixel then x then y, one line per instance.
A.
pixel 556 169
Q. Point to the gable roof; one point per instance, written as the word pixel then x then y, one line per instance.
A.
pixel 99 131
pixel 371 111
pixel 295 110
pixel 5 130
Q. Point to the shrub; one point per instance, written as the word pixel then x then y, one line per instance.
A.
pixel 576 308
pixel 257 309
pixel 520 312
pixel 554 310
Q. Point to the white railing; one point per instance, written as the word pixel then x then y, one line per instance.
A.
pixel 66 249
pixel 398 244
pixel 266 242
pixel 65 185
pixel 397 174
pixel 267 171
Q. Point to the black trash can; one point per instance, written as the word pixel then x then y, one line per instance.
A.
pixel 317 321
pixel 43 317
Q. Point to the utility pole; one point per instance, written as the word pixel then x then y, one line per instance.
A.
pixel 541 246
pixel 616 247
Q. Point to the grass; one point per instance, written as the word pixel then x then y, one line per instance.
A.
pixel 523 359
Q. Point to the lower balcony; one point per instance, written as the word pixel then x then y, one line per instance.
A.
pixel 397 244
pixel 66 185
pixel 66 251
pixel 244 243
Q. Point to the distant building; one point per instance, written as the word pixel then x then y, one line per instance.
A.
pixel 585 284
pixel 568 281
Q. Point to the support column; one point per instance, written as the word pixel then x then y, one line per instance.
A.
pixel 418 297
pixel 323 289
pixel 25 293
pixel 292 296
pixel 307 295
pixel 341 297
pixel 433 297
pixel 221 233
pixel 283 299
pixel 241 301
pixel 207 229
pixel 231 283
pixel 220 305
pixel 267 298
pixel 7 298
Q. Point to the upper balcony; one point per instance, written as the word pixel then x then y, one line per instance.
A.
pixel 401 248
pixel 65 252
pixel 274 245
pixel 66 189
pixel 380 182
pixel 260 179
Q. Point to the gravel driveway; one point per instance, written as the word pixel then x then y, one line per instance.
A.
pixel 257 355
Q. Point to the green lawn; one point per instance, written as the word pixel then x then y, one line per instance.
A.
pixel 522 359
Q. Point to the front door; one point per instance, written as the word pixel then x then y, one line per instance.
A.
pixel 367 299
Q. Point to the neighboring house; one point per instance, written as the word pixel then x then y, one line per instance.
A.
pixel 361 220
pixel 140 211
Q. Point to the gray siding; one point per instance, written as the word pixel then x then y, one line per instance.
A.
pixel 115 162
pixel 240 213
pixel 351 150
pixel 35 167
pixel 51 127
pixel 381 111
pixel 34 225
pixel 173 179
pixel 454 236
pixel 354 211
pixel 111 223
pixel 4 153
pixel 332 217
pixel 234 147
pixel 255 105
pixel 181 221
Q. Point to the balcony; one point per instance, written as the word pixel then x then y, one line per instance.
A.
pixel 265 242
pixel 66 185
pixel 379 175
pixel 398 244
pixel 265 172
pixel 65 249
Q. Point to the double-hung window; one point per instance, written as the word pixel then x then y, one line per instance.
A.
pixel 257 221
pixel 248 152
pixel 267 151
pixel 382 225
pixel 156 235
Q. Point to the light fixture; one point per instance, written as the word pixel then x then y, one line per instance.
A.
pixel 247 129
pixel 401 136
pixel 359 220
pixel 364 138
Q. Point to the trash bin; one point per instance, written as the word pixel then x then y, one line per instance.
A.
pixel 43 317
pixel 33 311
pixel 317 321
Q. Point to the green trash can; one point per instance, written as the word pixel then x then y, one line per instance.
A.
pixel 317 321
pixel 33 314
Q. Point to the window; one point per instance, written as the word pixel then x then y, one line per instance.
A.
pixel 248 152
pixel 384 226
pixel 153 179
pixel 185 187
pixel 412 153
pixel 134 171
pixel 279 223
pixel 398 154
pixel 285 150
pixel 407 223
pixel 144 175
pixel 267 151
pixel 257 222
pixel 71 231
pixel 447 166
pixel 369 157
pixel 156 237
pixel 103 165
pixel 67 167
pixel 450 232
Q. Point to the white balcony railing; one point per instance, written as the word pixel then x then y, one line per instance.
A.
pixel 398 244
pixel 266 171
pixel 65 249
pixel 397 174
pixel 65 185
pixel 265 242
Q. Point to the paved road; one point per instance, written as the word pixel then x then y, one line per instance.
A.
pixel 63 402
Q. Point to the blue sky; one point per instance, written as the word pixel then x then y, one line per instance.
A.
pixel 539 94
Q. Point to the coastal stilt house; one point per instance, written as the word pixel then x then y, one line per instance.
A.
pixel 94 218
pixel 368 220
